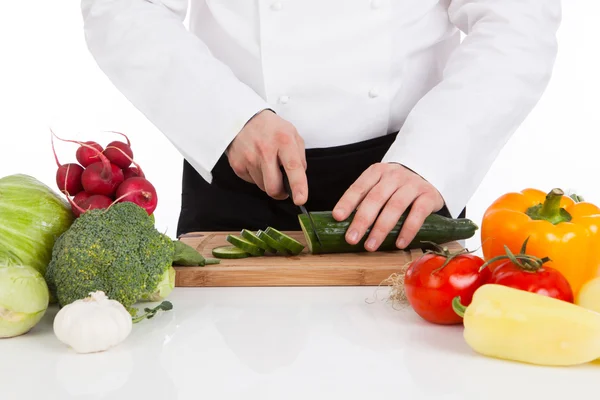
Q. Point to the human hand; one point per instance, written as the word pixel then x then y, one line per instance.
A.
pixel 266 142
pixel 389 188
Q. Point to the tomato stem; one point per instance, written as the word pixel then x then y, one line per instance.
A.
pixel 458 308
pixel 550 210
pixel 527 262
pixel 443 251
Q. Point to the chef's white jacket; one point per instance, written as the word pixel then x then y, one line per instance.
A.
pixel 341 71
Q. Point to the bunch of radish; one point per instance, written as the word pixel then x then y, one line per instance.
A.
pixel 103 176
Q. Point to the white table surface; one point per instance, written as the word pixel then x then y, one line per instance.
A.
pixel 279 343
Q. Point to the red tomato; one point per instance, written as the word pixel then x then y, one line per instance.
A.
pixel 430 290
pixel 545 281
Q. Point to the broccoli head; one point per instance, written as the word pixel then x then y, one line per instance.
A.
pixel 117 250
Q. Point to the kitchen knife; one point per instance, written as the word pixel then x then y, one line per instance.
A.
pixel 288 189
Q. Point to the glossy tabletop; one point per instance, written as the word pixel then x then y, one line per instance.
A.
pixel 275 344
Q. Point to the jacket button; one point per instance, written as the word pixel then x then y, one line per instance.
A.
pixel 276 6
pixel 284 99
pixel 373 93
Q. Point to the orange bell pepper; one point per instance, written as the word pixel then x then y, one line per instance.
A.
pixel 558 227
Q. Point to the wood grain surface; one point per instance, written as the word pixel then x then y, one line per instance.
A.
pixel 348 269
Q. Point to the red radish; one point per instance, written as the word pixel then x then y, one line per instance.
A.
pixel 68 176
pixel 131 172
pixel 136 170
pixel 139 191
pixel 122 158
pixel 79 199
pixel 87 155
pixel 116 152
pixel 100 177
pixel 93 202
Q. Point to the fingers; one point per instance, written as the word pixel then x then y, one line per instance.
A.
pixel 393 210
pixel 356 193
pixel 291 157
pixel 370 208
pixel 272 178
pixel 422 207
pixel 257 178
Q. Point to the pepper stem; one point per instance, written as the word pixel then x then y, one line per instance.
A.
pixel 458 308
pixel 550 210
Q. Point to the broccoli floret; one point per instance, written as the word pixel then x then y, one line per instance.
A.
pixel 117 250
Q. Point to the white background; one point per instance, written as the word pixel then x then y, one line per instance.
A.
pixel 48 79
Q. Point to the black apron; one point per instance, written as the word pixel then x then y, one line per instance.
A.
pixel 232 204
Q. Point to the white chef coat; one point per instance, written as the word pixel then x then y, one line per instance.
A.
pixel 341 71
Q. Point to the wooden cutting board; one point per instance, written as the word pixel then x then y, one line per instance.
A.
pixel 354 269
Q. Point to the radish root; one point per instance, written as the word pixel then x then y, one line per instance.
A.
pixel 395 284
pixel 122 134
pixel 52 134
pixel 125 195
pixel 129 158
pixel 105 161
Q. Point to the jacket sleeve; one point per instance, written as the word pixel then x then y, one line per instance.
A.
pixel 169 75
pixel 490 84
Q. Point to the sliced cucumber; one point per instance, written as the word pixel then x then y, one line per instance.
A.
pixel 252 238
pixel 245 245
pixel 291 245
pixel 271 242
pixel 269 248
pixel 229 252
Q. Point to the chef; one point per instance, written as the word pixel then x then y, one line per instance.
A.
pixel 370 106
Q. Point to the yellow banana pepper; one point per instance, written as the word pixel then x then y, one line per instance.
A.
pixel 517 325
pixel 589 295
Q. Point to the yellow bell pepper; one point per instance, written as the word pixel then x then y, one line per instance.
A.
pixel 517 325
pixel 558 227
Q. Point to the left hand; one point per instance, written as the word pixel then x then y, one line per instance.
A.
pixel 389 188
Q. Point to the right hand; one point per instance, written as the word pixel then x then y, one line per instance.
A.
pixel 266 142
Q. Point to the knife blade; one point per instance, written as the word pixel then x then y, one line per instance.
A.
pixel 288 189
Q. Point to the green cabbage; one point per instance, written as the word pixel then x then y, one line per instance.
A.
pixel 32 217
pixel 24 299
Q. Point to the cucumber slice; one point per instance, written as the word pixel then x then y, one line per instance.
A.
pixel 229 252
pixel 291 245
pixel 271 242
pixel 252 238
pixel 245 245
pixel 270 249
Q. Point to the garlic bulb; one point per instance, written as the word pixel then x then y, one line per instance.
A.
pixel 93 324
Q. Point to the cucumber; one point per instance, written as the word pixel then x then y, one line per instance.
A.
pixel 260 234
pixel 292 246
pixel 229 252
pixel 436 228
pixel 272 242
pixel 245 245
pixel 252 238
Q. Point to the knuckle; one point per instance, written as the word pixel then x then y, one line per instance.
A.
pixel 249 156
pixel 293 164
pixel 237 167
pixel 263 148
pixel 396 203
pixel 283 138
pixel 358 189
pixel 376 197
pixel 377 167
